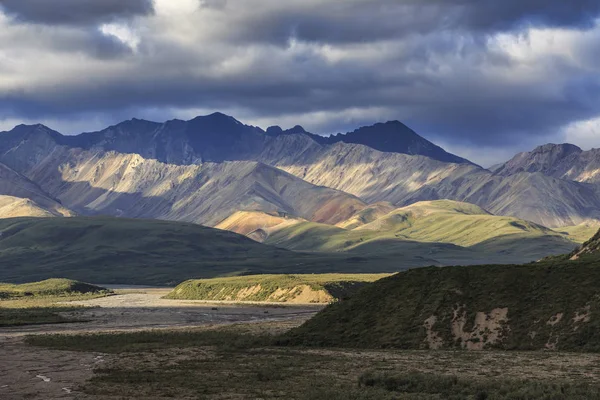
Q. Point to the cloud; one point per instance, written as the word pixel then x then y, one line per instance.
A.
pixel 584 133
pixel 365 20
pixel 475 74
pixel 74 12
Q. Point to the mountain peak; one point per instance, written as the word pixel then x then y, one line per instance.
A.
pixel 544 159
pixel 26 130
pixel 395 137
pixel 274 130
pixel 296 129
pixel 563 148
pixel 216 117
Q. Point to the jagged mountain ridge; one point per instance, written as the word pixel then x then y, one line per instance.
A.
pixel 385 137
pixel 402 180
pixel 218 137
pixel 129 185
pixel 357 169
pixel 389 137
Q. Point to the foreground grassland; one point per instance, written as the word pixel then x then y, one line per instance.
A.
pixel 43 302
pixel 246 362
pixel 307 288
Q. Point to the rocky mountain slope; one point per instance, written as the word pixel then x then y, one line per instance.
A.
pixel 474 308
pixel 349 163
pixel 590 250
pixel 257 225
pixel 564 161
pixel 402 180
pixel 11 207
pixel 19 196
pixel 126 184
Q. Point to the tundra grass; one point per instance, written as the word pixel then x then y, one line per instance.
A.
pixel 547 306
pixel 43 302
pixel 338 286
pixel 448 222
pixel 234 362
pixel 154 252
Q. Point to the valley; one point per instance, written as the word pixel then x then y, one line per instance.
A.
pixel 327 200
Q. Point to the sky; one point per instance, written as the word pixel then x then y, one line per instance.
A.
pixel 482 78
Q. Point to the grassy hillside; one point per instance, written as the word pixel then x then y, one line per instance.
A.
pixel 319 288
pixel 153 252
pixel 43 302
pixel 257 225
pixel 49 287
pixel 367 215
pixel 113 250
pixel 499 239
pixel 536 306
pixel 447 221
pixel 580 233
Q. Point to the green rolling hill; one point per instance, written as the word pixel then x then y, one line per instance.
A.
pixel 500 239
pixel 114 250
pixel 108 250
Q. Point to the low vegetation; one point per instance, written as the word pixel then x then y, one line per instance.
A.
pixel 242 361
pixel 532 307
pixel 480 235
pixel 49 287
pixel 43 302
pixel 151 340
pixel 318 288
pixel 152 252
pixel 430 386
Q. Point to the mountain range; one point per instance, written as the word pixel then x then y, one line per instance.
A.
pixel 216 171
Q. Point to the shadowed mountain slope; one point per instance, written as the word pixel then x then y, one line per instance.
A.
pixel 395 137
pixel 114 250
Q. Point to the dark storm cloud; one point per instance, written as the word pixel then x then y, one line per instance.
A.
pixel 508 14
pixel 75 12
pixel 432 64
pixel 352 21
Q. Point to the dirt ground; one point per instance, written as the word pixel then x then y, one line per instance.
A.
pixel 33 373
